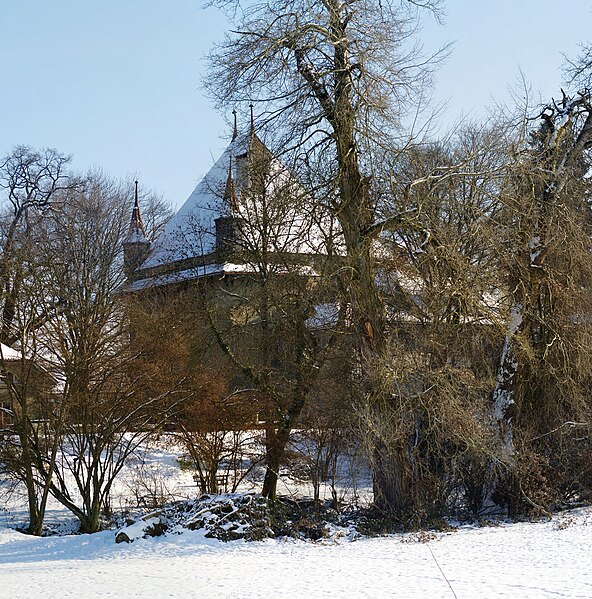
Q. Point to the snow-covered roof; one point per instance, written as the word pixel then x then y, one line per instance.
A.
pixel 207 270
pixel 188 274
pixel 9 354
pixel 191 232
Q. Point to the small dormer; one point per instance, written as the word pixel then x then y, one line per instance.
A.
pixel 136 245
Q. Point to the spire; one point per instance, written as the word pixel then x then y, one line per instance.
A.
pixel 252 119
pixel 235 131
pixel 136 233
pixel 230 191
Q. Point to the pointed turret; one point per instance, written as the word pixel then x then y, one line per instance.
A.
pixel 136 245
pixel 258 160
pixel 230 197
pixel 136 232
pixel 228 224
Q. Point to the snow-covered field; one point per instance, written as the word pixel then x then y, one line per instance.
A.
pixel 551 559
pixel 525 560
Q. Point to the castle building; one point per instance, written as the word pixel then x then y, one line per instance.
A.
pixel 256 244
pixel 248 209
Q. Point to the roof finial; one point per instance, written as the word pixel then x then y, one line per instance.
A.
pixel 252 118
pixel 235 131
pixel 230 191
pixel 137 203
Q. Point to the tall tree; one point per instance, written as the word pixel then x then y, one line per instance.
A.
pixel 267 332
pixel 63 261
pixel 32 420
pixel 544 370
pixel 87 347
pixel 440 281
pixel 30 179
pixel 340 74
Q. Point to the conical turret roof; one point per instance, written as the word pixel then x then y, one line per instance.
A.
pixel 136 232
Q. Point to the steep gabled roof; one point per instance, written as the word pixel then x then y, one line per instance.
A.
pixel 191 233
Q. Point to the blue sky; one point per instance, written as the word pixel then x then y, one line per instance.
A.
pixel 117 83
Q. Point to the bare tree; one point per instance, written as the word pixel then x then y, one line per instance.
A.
pixel 579 70
pixel 100 386
pixel 340 75
pixel 31 419
pixel 544 369
pixel 262 319
pixel 30 180
pixel 213 427
pixel 177 352
pixel 439 277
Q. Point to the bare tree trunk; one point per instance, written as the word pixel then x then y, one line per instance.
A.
pixel 530 389
pixel 279 439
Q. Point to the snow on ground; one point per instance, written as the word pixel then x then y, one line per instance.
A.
pixel 527 561
pixel 154 472
pixel 550 559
